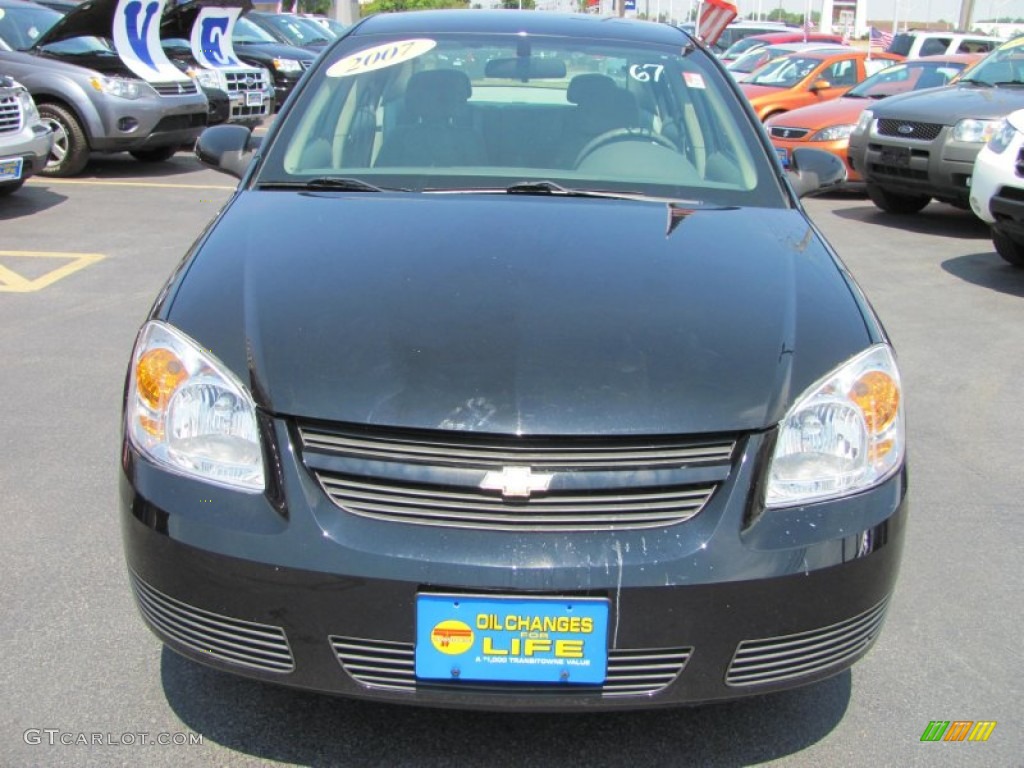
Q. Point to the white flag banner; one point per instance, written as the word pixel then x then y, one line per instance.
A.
pixel 137 41
pixel 211 37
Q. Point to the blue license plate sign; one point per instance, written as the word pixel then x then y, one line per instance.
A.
pixel 512 639
pixel 10 168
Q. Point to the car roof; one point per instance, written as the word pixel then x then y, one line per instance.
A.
pixel 797 47
pixel 783 36
pixel 514 22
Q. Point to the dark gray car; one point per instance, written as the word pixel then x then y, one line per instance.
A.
pixel 921 146
pixel 86 94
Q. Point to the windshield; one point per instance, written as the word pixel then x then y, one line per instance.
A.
pixel 912 76
pixel 21 26
pixel 1004 66
pixel 786 71
pixel 742 46
pixel 296 31
pixel 490 112
pixel 81 46
pixel 247 32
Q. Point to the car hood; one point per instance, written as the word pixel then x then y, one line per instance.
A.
pixel 35 70
pixel 946 106
pixel 519 315
pixel 93 18
pixel 177 20
pixel 841 111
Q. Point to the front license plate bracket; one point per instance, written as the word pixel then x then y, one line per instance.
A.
pixel 512 639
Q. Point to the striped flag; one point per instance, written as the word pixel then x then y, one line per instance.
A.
pixel 879 40
pixel 715 16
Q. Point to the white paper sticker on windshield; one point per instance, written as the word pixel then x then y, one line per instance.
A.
pixel 211 37
pixel 380 56
pixel 694 80
pixel 137 40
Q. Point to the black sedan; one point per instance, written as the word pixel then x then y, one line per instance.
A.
pixel 531 389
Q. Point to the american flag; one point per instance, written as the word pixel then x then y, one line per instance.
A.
pixel 879 40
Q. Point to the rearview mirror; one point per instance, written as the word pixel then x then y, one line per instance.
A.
pixel 525 68
pixel 812 171
pixel 227 148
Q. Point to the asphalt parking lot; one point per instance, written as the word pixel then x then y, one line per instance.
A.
pixel 83 682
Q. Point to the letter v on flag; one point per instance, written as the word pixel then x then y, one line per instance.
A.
pixel 137 41
pixel 715 16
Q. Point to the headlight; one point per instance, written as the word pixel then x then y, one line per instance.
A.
pixel 207 78
pixel 117 86
pixel 287 65
pixel 1002 137
pixel 844 435
pixel 864 122
pixel 833 133
pixel 974 131
pixel 28 107
pixel 187 412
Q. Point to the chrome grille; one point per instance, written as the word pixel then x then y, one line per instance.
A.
pixel 589 511
pixel 773 659
pixel 234 641
pixel 495 454
pixel 780 132
pixel 245 81
pixel 176 89
pixel 434 478
pixel 10 112
pixel 920 131
pixel 390 665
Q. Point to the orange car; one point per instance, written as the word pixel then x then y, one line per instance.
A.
pixel 828 126
pixel 806 78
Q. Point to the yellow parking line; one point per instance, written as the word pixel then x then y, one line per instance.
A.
pixel 102 183
pixel 12 282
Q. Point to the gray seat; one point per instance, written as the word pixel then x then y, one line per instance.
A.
pixel 601 106
pixel 433 132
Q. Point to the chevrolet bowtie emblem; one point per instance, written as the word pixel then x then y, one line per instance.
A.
pixel 515 482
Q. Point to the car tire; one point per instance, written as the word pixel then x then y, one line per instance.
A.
pixel 1009 249
pixel 891 202
pixel 14 186
pixel 70 151
pixel 157 155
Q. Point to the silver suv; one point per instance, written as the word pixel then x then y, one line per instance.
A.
pixel 24 141
pixel 920 146
pixel 87 94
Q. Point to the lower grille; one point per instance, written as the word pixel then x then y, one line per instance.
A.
pixel 244 643
pixel 181 122
pixel 389 665
pixel 898 172
pixel 774 659
pixel 908 129
pixel 10 113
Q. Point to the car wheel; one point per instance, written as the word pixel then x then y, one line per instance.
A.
pixel 1009 249
pixel 891 202
pixel 6 189
pixel 70 150
pixel 157 155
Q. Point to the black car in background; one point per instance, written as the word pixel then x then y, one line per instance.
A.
pixel 286 63
pixel 293 30
pixel 525 387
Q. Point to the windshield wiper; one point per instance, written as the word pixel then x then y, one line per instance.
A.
pixel 980 83
pixel 553 188
pixel 335 183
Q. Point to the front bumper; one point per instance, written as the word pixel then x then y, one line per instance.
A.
pixel 940 168
pixel 150 122
pixel 288 588
pixel 32 143
pixel 995 175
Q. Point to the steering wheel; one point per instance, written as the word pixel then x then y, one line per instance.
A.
pixel 623 134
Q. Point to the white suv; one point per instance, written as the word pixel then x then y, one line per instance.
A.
pixel 997 187
pixel 914 45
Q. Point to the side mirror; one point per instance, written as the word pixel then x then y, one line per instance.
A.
pixel 227 148
pixel 821 85
pixel 814 170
